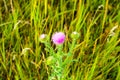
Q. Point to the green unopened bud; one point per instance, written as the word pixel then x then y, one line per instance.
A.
pixel 50 60
pixel 75 35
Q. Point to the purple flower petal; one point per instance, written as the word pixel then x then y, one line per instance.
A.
pixel 58 38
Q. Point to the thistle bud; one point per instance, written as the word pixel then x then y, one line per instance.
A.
pixel 75 35
pixel 42 37
pixel 50 60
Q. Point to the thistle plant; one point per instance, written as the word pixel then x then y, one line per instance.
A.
pixel 55 60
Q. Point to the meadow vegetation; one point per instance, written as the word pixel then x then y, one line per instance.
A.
pixel 95 55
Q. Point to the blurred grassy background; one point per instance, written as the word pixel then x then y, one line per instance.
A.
pixel 23 57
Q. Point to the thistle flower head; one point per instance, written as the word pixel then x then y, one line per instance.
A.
pixel 58 38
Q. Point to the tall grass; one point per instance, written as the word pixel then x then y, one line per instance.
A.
pixel 97 51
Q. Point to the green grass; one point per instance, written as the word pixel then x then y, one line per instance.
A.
pixel 96 52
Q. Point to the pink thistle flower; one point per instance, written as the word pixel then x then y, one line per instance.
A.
pixel 58 38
